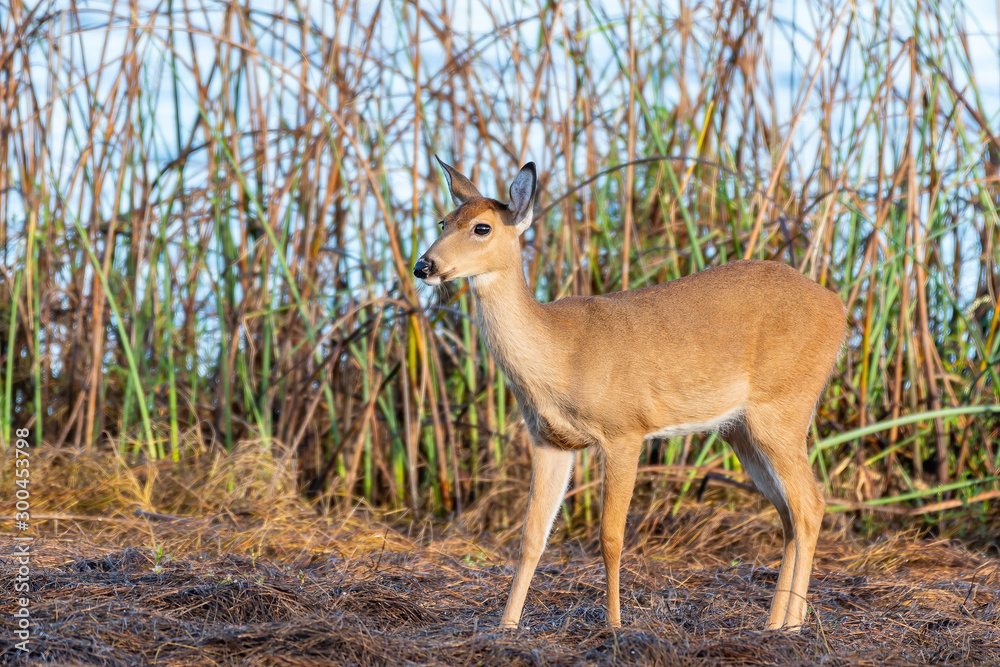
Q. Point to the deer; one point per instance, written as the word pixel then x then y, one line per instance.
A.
pixel 744 349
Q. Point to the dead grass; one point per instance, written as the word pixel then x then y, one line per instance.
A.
pixel 371 594
pixel 247 578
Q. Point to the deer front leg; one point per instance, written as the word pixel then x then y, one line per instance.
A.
pixel 550 470
pixel 620 466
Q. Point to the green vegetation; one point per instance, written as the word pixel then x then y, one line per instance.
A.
pixel 208 215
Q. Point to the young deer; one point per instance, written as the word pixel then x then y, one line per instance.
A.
pixel 744 349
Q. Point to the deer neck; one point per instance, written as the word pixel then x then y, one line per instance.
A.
pixel 518 334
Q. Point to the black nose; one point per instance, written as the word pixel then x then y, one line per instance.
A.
pixel 423 268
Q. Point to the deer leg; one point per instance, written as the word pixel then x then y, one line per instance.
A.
pixel 757 464
pixel 783 589
pixel 619 481
pixel 773 450
pixel 806 504
pixel 550 469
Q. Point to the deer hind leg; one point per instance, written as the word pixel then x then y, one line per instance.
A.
pixel 550 469
pixel 777 461
pixel 807 508
pixel 739 438
pixel 621 462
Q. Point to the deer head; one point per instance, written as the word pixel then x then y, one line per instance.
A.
pixel 480 236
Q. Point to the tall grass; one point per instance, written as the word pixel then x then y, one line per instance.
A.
pixel 208 215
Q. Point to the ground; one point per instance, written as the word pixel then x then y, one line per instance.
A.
pixel 307 590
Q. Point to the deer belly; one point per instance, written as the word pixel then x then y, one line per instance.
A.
pixel 713 424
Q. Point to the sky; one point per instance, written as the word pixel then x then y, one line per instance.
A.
pixel 792 27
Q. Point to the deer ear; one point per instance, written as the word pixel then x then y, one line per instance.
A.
pixel 462 189
pixel 522 196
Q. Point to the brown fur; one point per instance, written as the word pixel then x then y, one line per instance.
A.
pixel 746 348
pixel 474 208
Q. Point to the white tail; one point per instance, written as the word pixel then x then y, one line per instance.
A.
pixel 745 349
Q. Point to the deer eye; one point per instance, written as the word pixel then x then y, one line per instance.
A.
pixel 441 224
pixel 482 230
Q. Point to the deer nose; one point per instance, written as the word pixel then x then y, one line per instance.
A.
pixel 423 268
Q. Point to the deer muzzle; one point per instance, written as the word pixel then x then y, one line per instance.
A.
pixel 423 268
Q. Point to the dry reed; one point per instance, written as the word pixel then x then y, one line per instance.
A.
pixel 209 212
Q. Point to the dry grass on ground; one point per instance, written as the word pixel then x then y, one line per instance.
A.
pixel 249 584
